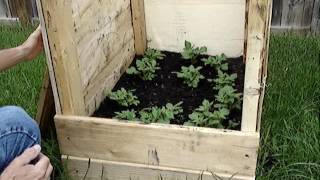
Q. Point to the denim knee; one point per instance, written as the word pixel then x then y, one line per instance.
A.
pixel 18 131
pixel 15 119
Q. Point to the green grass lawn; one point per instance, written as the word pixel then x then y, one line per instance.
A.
pixel 290 146
pixel 290 126
pixel 20 85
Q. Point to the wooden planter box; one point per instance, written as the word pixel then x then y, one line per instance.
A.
pixel 89 44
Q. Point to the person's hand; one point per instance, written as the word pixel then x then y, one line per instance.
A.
pixel 21 169
pixel 33 45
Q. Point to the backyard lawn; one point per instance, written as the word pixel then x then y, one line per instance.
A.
pixel 290 145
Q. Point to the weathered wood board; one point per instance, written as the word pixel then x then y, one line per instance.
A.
pixel 221 151
pixel 217 24
pixel 315 25
pixel 83 168
pixel 294 16
pixel 4 11
pixel 91 43
pixel 258 24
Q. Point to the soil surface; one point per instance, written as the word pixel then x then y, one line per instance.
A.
pixel 167 88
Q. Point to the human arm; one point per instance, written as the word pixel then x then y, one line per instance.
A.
pixel 27 51
pixel 21 169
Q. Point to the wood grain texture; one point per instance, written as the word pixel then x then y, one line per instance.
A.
pixel 217 24
pixel 4 9
pixel 277 13
pixel 139 26
pixel 315 25
pixel 89 41
pixel 83 168
pixel 292 15
pixel 264 71
pixel 20 10
pixel 258 23
pixel 221 151
pixel 59 25
pixel 48 57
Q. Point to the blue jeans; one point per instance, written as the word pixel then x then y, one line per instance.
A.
pixel 18 131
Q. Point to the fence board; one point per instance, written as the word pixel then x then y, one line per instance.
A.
pixel 3 9
pixel 294 15
pixel 277 13
pixel 315 25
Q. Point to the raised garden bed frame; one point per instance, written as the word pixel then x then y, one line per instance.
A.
pixel 98 148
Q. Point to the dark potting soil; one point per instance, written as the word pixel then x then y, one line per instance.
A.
pixel 167 88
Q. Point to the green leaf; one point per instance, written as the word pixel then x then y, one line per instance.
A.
pixel 124 98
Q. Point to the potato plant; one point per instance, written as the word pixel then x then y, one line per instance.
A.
pixel 154 54
pixel 207 116
pixel 129 115
pixel 218 62
pixel 228 98
pixel 190 75
pixel 190 52
pixel 223 79
pixel 124 98
pixel 145 68
pixel 161 114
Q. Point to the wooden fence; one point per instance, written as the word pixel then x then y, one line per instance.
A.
pixel 12 11
pixel 302 16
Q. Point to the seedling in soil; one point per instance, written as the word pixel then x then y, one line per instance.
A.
pixel 129 115
pixel 190 75
pixel 161 115
pixel 205 116
pixel 145 68
pixel 154 54
pixel 228 98
pixel 218 62
pixel 124 98
pixel 224 79
pixel 190 52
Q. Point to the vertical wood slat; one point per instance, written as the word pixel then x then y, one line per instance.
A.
pixel 293 15
pixel 139 26
pixel 315 24
pixel 258 22
pixel 19 9
pixel 307 13
pixel 277 13
pixel 63 56
pixel 264 73
pixel 48 57
pixel 4 10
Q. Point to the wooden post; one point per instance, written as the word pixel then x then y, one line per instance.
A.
pixel 257 38
pixel 139 26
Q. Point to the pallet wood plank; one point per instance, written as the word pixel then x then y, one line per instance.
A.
pixel 169 23
pixel 59 26
pixel 139 26
pixel 48 57
pixel 83 168
pixel 85 38
pixel 221 151
pixel 258 22
pixel 265 67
